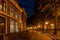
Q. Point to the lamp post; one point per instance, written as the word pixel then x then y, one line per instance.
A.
pixel 43 26
pixel 46 26
pixel 55 30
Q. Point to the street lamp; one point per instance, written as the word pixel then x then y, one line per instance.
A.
pixel 47 26
pixel 52 25
pixel 39 25
pixel 46 23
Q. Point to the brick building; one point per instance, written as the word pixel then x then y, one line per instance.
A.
pixel 12 18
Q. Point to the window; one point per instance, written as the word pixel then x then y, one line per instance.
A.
pixel 2 5
pixel 11 25
pixel 11 10
pixel 17 27
pixel 2 25
pixel 16 14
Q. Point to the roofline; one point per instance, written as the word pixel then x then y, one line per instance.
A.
pixel 17 6
pixel 24 12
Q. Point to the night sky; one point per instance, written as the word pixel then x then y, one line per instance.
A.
pixel 28 5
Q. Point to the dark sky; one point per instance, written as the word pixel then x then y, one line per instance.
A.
pixel 28 5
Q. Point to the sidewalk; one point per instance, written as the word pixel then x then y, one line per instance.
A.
pixel 56 37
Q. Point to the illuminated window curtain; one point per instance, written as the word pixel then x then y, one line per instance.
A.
pixel 11 11
pixel 17 27
pixel 11 25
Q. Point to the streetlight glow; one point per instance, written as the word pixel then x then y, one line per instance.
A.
pixel 39 26
pixel 46 23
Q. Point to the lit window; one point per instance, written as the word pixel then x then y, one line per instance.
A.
pixel 2 5
pixel 11 11
pixel 17 28
pixel 11 25
pixel 2 23
pixel 16 15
